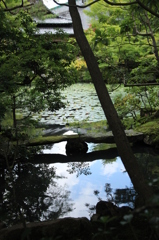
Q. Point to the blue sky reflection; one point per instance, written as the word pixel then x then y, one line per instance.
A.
pixel 82 188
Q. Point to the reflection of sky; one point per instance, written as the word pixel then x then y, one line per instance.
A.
pixel 82 188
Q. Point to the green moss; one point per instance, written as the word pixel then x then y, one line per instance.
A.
pixel 151 127
pixel 40 140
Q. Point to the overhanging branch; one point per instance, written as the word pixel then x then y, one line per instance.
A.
pixel 79 6
pixel 93 2
pixel 16 7
pixel 112 4
pixel 120 4
pixel 147 9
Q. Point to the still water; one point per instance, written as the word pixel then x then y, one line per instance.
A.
pixel 50 191
pixel 102 174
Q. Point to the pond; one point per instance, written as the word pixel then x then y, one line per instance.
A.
pixel 102 175
pixel 82 104
pixel 56 190
pixel 50 191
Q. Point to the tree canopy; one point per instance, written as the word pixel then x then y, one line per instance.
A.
pixel 33 68
pixel 125 41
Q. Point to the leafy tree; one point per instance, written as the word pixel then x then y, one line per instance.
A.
pixel 33 71
pixel 33 68
pixel 38 10
pixel 125 41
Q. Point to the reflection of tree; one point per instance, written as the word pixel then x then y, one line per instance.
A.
pixel 150 165
pixel 30 183
pixel 79 168
pixel 110 148
pixel 59 201
pixel 124 196
pixel 108 161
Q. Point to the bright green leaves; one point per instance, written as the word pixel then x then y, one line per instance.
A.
pixel 105 35
pixel 125 41
pixel 100 38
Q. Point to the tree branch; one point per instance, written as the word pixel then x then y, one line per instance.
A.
pixel 112 4
pixel 79 6
pixel 16 7
pixel 147 9
pixel 91 3
pixel 143 34
pixel 148 34
pixel 120 4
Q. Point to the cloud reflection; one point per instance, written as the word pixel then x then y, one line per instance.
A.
pixel 82 188
pixel 111 168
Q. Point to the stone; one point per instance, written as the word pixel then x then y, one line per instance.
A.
pixel 76 146
pixel 106 208
pixel 109 209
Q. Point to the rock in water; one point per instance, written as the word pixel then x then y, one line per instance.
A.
pixel 76 146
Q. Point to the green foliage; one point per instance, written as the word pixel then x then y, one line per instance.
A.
pixel 38 10
pixel 33 69
pixel 127 104
pixel 125 42
pixel 137 105
pixel 150 129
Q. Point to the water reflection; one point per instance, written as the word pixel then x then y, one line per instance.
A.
pixel 26 195
pixel 49 191
pixel 82 188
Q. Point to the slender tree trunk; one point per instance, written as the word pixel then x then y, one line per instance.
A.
pixel 121 140
pixel 14 114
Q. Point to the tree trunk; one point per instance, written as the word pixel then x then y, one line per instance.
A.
pixel 121 140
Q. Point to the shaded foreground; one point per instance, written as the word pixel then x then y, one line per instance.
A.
pixel 109 223
pixel 108 227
